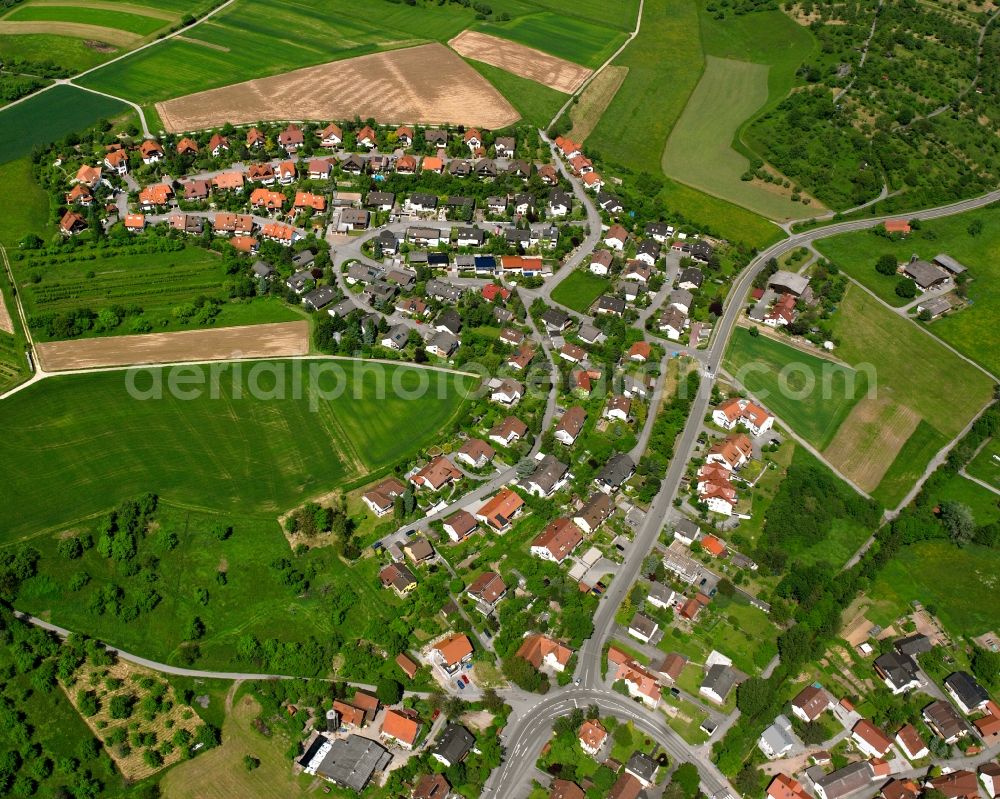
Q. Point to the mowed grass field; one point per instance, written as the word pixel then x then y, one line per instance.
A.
pixel 986 465
pixel 780 376
pixel 49 116
pixel 665 62
pixel 911 370
pixel 89 436
pixel 67 51
pixel 960 584
pixel 699 151
pixel 580 289
pixel 972 330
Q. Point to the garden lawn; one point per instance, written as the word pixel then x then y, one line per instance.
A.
pixel 536 104
pixel 237 454
pixel 779 376
pixel 971 330
pixel 986 465
pixel 580 289
pixel 49 116
pixel 959 585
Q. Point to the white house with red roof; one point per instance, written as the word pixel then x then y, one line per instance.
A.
pixel 740 411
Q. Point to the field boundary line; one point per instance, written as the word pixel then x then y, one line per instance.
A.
pixel 600 69
pixel 801 441
pixel 924 329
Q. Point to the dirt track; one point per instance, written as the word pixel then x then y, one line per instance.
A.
pixel 250 341
pixel 428 84
pixel 526 62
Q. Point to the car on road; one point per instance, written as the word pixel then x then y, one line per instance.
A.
pixel 675 691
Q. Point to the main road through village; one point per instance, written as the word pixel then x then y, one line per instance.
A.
pixel 533 716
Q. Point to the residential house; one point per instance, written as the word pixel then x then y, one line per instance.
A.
pixel 291 138
pixel 508 431
pixel 501 510
pixel 648 252
pixel 380 497
pixel 540 650
pixel 255 139
pixel 615 472
pixel 732 453
pixel 742 411
pixel 686 531
pixel 941 717
pixel 135 223
pixel 609 305
pixel 626 787
pixel 476 452
pixel 778 739
pixel 671 666
pixel 989 775
pixel 267 200
pixel 473 139
pixel 690 279
pixel 151 152
pixel 898 672
pixel 195 226
pixel 870 740
pixel 910 742
pixel 438 473
pixel 592 736
pixel 681 299
pixel 637 679
pixel 432 786
pixel 401 726
pixel 349 762
pixel 485 169
pixel 618 408
pixel 564 789
pixel 785 787
pixel 592 181
pixel 460 525
pixel 507 392
pixel 89 176
pixel 396 337
pixel 453 746
pixel 616 238
pixel 238 225
pixel 672 323
pixel 960 784
pixel 155 196
pixel 845 781
pixel 718 683
pixel 968 694
pixel 348 715
pixel 398 577
pixel 570 425
pixel 643 768
pixel 811 702
pixel 594 512
pixel 642 628
pixel 380 200
pixel 331 136
pixel 452 652
pixel 600 262
pixel 660 596
pixel 486 590
pixel 639 352
pixel 319 297
pixel 117 162
pixel 555 320
pixel 609 203
pixel 285 235
pixel 72 223
pixel 556 541
pixel 227 181
pixel 549 476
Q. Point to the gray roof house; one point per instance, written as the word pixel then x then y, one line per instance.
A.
pixel 964 689
pixel 788 282
pixel 455 743
pixel 349 762
pixel 898 671
pixel 319 297
pixel 925 275
pixel 642 767
pixel 616 471
pixel 262 269
pixel 778 739
pixel 548 475
pixel 681 299
pixel 718 682
pixel 915 644
pixel 396 337
pixel 845 781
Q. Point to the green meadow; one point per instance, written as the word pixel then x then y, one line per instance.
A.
pixel 972 330
pixel 779 375
pixel 49 116
pixel 536 104
pixel 84 15
pixel 241 452
pixel 573 39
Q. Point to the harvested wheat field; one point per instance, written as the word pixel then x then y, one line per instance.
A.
pixel 275 340
pixel 523 61
pixel 427 84
pixel 594 101
pixel 77 30
pixel 868 441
